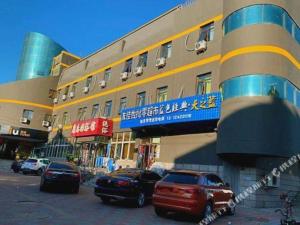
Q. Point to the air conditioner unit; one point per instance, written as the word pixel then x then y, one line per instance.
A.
pixel 124 75
pixel 102 83
pixel 160 62
pixel 49 129
pixel 64 97
pixel 55 100
pixel 71 94
pixel 138 71
pixel 24 120
pixel 45 123
pixel 201 46
pixel 86 89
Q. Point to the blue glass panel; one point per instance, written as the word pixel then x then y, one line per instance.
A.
pixel 232 88
pixel 288 23
pixel 273 86
pixel 297 34
pixel 273 14
pixel 251 85
pixel 236 20
pixel 289 92
pixel 253 14
pixel 298 99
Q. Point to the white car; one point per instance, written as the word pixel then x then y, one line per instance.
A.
pixel 36 166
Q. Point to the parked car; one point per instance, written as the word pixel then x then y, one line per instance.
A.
pixel 127 184
pixel 16 165
pixel 61 175
pixel 36 166
pixel 191 192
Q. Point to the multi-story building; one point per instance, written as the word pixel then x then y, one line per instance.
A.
pixel 211 85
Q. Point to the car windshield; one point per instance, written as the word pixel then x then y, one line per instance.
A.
pixel 31 160
pixel 129 173
pixel 181 178
pixel 62 166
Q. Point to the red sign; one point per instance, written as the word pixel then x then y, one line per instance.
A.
pixel 92 127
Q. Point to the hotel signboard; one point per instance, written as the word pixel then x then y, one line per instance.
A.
pixel 189 109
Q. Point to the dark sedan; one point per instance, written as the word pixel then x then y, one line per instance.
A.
pixel 61 175
pixel 127 184
pixel 16 165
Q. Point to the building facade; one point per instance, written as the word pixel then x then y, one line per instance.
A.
pixel 211 85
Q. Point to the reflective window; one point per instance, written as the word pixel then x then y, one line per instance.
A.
pixel 123 104
pixel 89 81
pixel 260 85
pixel 65 119
pixel 261 14
pixel 128 66
pixel 143 60
pixel 107 74
pixel 141 99
pixel 28 114
pixel 207 32
pixel 108 109
pixel 162 94
pixel 95 111
pixel 166 50
pixel 203 85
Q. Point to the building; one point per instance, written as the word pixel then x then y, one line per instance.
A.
pixel 211 85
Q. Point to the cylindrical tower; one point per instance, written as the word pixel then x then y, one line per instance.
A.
pixel 260 78
pixel 37 55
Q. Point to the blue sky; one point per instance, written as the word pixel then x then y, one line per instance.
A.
pixel 81 26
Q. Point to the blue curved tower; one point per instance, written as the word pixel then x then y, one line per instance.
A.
pixel 37 55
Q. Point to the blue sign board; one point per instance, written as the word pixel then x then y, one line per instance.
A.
pixel 194 108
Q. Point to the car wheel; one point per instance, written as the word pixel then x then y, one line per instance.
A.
pixel 105 200
pixel 140 200
pixel 231 211
pixel 208 210
pixel 16 170
pixel 160 212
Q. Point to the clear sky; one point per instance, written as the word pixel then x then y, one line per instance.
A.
pixel 80 26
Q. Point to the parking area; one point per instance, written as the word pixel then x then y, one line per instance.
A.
pixel 22 203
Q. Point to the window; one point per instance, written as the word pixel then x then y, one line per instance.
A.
pixel 213 180
pixel 143 60
pixel 181 178
pixel 95 111
pixel 47 118
pixel 108 109
pixel 74 88
pixel 83 114
pixel 128 66
pixel 65 119
pixel 162 94
pixel 79 113
pixel 67 90
pixel 123 104
pixel 207 32
pixel 166 50
pixel 141 99
pixel 28 114
pixel 203 84
pixel 53 120
pixel 123 146
pixel 89 81
pixel 107 74
pixel 52 93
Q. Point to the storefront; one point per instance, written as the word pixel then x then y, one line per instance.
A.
pixel 92 139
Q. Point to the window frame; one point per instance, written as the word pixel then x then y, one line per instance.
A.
pixel 108 105
pixel 28 114
pixel 138 98
pixel 166 50
pixel 202 78
pixel 159 92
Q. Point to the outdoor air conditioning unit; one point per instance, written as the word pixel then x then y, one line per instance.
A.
pixel 49 129
pixel 86 89
pixel 124 75
pixel 138 71
pixel 160 62
pixel 201 46
pixel 102 83
pixel 64 97
pixel 24 120
pixel 55 100
pixel 71 94
pixel 45 123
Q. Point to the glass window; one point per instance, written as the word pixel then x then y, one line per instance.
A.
pixel 47 117
pixel 83 114
pixel 131 151
pixel 107 74
pixel 28 114
pixel 54 120
pixel 108 109
pixel 207 32
pixel 118 151
pixel 74 88
pixel 251 85
pixel 253 14
pixel 203 84
pixel 213 180
pixel 79 114
pixel 141 99
pixel 123 104
pixel 143 60
pixel 290 92
pixel 297 34
pixel 128 66
pixel 52 94
pixel 162 94
pixel 67 90
pixel 273 14
pixel 125 151
pixel 181 178
pixel 288 23
pixel 298 99
pixel 95 111
pixel 65 119
pixel 166 50
pixel 88 81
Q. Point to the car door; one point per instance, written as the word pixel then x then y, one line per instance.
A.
pixel 148 180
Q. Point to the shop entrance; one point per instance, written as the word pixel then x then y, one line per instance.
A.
pixel 148 152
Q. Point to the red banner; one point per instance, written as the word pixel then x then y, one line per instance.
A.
pixel 92 127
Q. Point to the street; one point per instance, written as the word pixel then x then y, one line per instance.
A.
pixel 21 203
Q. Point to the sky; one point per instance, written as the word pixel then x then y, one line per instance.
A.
pixel 80 26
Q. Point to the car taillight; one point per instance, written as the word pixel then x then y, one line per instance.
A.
pixel 76 175
pixel 48 173
pixel 123 183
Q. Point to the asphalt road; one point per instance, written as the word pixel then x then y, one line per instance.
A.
pixel 21 203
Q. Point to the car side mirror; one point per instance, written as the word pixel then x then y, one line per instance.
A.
pixel 227 185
